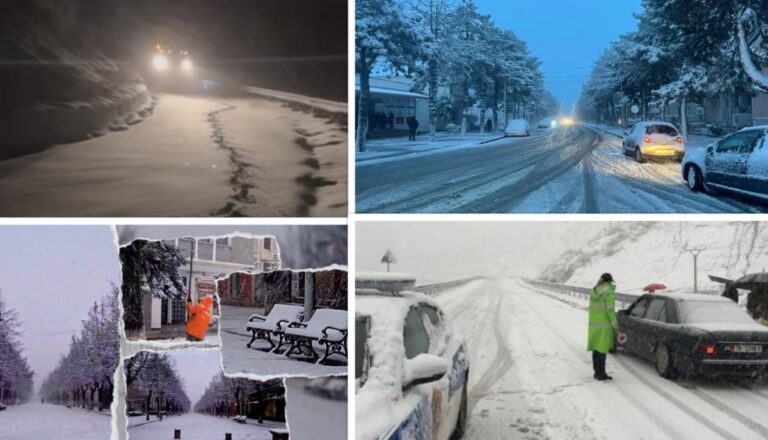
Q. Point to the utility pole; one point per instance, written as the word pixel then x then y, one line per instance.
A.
pixel 695 252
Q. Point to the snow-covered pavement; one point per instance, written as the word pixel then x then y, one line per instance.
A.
pixel 196 156
pixel 311 416
pixel 380 151
pixel 199 427
pixel 237 358
pixel 577 169
pixel 531 377
pixel 33 421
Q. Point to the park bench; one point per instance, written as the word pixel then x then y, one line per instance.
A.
pixel 240 419
pixel 328 327
pixel 263 327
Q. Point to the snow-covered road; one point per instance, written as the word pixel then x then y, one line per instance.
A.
pixel 34 421
pixel 195 156
pixel 199 427
pixel 577 169
pixel 531 377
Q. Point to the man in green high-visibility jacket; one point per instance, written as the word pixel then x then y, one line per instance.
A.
pixel 602 323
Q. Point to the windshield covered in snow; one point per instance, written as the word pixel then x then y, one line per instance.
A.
pixel 661 129
pixel 699 312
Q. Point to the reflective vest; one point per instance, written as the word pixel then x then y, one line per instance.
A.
pixel 602 318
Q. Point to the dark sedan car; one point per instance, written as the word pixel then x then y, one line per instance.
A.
pixel 695 335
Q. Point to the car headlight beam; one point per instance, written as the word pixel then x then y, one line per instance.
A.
pixel 186 65
pixel 160 62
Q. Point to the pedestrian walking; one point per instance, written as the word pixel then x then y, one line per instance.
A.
pixel 199 318
pixel 413 125
pixel 391 121
pixel 602 324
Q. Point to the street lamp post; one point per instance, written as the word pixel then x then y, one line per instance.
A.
pixel 695 252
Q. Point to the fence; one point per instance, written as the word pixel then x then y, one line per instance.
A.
pixel 433 289
pixel 575 291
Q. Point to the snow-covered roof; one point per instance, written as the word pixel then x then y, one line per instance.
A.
pixel 645 123
pixel 393 85
pixel 755 127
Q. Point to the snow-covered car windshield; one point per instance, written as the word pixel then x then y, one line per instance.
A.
pixel 661 129
pixel 699 312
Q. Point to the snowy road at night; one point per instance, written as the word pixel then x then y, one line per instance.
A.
pixel 200 427
pixel 195 156
pixel 576 169
pixel 33 421
pixel 531 377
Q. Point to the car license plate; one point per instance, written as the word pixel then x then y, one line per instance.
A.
pixel 747 348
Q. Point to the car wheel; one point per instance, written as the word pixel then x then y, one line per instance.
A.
pixel 639 155
pixel 694 179
pixel 664 361
pixel 461 419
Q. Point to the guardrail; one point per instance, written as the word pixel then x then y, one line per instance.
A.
pixel 583 292
pixel 316 106
pixel 433 289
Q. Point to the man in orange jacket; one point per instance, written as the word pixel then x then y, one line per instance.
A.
pixel 199 318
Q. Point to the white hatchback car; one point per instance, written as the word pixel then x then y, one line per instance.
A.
pixel 517 127
pixel 411 371
pixel 653 139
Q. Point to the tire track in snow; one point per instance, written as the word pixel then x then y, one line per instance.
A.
pixel 590 200
pixel 731 412
pixel 668 428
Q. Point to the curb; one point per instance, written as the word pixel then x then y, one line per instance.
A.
pixel 606 132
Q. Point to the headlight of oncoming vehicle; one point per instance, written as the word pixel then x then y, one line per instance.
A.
pixel 186 65
pixel 160 62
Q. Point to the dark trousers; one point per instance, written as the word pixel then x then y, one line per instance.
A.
pixel 598 363
pixel 412 134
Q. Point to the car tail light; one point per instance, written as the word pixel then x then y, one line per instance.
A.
pixel 679 139
pixel 647 140
pixel 708 349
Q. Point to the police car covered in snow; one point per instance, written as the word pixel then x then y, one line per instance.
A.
pixel 411 371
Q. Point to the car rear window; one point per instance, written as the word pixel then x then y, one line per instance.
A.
pixel 661 129
pixel 698 312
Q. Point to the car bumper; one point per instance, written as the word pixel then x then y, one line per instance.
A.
pixel 724 367
pixel 662 151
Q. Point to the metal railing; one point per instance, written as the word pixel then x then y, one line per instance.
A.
pixel 582 292
pixel 433 289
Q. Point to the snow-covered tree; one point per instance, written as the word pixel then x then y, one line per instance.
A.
pixel 383 34
pixel 155 377
pixel 84 376
pixel 149 267
pixel 15 373
pixel 227 396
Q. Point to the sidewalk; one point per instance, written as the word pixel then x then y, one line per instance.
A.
pixel 392 149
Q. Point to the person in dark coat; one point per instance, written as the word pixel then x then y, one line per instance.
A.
pixel 391 121
pixel 754 300
pixel 413 125
pixel 731 293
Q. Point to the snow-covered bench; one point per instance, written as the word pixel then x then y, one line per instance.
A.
pixel 263 327
pixel 240 419
pixel 328 327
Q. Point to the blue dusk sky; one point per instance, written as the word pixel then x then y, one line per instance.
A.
pixel 566 35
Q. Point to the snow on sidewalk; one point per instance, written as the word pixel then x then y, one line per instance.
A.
pixel 237 358
pixel 199 427
pixel 36 422
pixel 388 150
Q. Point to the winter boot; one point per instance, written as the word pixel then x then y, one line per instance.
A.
pixel 601 374
pixel 595 363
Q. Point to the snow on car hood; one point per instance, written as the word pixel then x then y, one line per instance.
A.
pixel 730 327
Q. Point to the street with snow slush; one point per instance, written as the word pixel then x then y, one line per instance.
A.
pixel 531 377
pixel 193 155
pixel 566 169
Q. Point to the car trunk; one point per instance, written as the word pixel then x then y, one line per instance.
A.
pixel 735 345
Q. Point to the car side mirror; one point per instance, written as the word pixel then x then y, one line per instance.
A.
pixel 622 312
pixel 424 368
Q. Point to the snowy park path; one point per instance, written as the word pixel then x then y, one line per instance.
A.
pixel 196 156
pixel 577 169
pixel 531 377
pixel 33 421
pixel 200 427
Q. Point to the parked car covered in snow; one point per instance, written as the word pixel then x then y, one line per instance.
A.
pixel 737 163
pixel 547 123
pixel 695 335
pixel 653 139
pixel 411 371
pixel 517 127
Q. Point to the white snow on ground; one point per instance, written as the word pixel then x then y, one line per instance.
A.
pixel 199 427
pixel 172 165
pixel 312 417
pixel 241 360
pixel 531 377
pixel 580 169
pixel 378 151
pixel 33 421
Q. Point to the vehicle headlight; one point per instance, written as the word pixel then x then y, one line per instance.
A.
pixel 186 65
pixel 160 62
